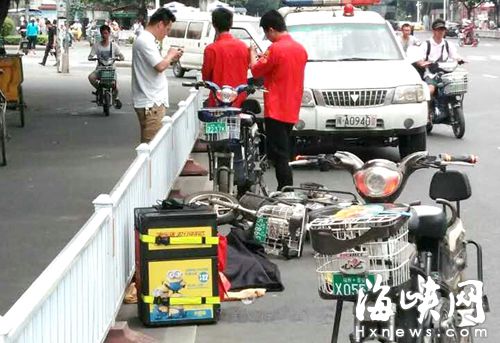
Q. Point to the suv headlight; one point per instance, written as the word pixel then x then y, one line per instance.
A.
pixel 308 98
pixel 408 94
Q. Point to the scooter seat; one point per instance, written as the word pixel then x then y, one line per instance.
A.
pixel 428 221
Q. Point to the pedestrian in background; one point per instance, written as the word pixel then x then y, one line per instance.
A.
pixel 406 38
pixel 149 82
pixel 32 32
pixel 138 28
pixel 282 67
pixel 51 41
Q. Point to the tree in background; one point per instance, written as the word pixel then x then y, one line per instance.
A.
pixel 470 5
pixel 259 7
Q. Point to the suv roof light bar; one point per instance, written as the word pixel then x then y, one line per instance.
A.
pixel 307 3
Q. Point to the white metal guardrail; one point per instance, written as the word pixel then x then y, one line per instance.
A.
pixel 488 33
pixel 78 295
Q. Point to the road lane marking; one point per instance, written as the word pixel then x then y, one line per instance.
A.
pixel 490 76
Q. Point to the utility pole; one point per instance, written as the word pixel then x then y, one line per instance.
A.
pixel 62 37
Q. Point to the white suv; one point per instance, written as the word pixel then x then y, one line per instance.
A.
pixel 358 85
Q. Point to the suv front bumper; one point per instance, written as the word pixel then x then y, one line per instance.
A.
pixel 392 120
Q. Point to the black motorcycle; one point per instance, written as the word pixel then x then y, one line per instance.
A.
pixel 107 83
pixel 447 103
pixel 401 245
pixel 234 140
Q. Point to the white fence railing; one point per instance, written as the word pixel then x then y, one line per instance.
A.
pixel 78 295
pixel 488 33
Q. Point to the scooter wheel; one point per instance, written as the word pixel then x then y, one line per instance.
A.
pixel 224 214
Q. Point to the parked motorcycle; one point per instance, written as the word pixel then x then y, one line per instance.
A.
pixel 447 103
pixel 467 36
pixel 233 139
pixel 107 82
pixel 396 243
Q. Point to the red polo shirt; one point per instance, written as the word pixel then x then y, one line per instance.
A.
pixel 282 67
pixel 225 62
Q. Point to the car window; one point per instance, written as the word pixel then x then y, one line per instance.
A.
pixel 178 29
pixel 194 30
pixel 345 41
pixel 242 34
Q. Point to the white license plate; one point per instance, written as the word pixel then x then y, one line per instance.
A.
pixel 356 121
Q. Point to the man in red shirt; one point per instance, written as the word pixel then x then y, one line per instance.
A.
pixel 282 67
pixel 225 61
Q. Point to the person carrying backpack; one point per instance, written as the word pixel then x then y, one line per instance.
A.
pixel 436 49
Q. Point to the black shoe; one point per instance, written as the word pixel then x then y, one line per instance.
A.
pixel 94 93
pixel 118 104
pixel 42 64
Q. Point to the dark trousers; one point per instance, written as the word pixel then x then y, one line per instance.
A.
pixel 32 42
pixel 48 47
pixel 278 150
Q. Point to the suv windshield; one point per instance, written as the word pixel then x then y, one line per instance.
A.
pixel 346 42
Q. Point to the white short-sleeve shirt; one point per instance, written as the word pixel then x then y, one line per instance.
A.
pixel 149 87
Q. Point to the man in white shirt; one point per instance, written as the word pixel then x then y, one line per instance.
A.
pixel 436 49
pixel 149 83
pixel 406 39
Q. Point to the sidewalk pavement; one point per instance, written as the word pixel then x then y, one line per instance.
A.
pixel 128 312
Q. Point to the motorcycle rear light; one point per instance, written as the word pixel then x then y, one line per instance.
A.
pixel 226 95
pixel 377 182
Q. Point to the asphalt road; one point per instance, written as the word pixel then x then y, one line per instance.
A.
pixel 68 153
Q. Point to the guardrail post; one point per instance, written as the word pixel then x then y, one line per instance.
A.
pixel 144 150
pixel 4 330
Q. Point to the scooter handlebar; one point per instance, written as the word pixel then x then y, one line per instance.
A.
pixel 472 159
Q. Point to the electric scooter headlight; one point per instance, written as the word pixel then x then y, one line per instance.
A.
pixel 227 95
pixel 377 181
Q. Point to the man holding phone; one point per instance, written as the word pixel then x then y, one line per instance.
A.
pixel 149 83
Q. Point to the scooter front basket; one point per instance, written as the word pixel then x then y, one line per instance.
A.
pixel 455 83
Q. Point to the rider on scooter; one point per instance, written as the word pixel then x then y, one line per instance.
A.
pixel 436 49
pixel 105 50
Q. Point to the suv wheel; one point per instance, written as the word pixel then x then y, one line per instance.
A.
pixel 178 70
pixel 412 143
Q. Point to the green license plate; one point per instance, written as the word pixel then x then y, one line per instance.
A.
pixel 346 285
pixel 215 127
pixel 260 229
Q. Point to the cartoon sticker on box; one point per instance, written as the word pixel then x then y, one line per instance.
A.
pixel 170 287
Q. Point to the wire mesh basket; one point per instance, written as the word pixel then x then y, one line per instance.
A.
pixel 354 248
pixel 220 125
pixel 107 75
pixel 281 229
pixel 455 83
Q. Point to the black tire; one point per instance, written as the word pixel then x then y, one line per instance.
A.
pixel 223 181
pixel 412 143
pixel 429 127
pixel 178 70
pixel 459 122
pixel 225 215
pixel 106 103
